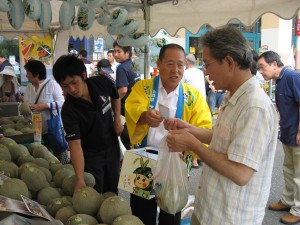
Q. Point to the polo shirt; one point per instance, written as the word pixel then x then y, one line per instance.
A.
pixel 287 98
pixel 91 122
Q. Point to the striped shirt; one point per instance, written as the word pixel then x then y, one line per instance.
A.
pixel 246 130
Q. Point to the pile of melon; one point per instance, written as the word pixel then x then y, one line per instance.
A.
pixel 15 125
pixel 37 174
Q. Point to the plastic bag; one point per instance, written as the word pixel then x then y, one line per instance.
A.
pixel 171 180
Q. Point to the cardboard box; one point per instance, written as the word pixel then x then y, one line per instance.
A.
pixel 136 175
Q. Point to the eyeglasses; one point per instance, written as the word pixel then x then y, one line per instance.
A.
pixel 205 65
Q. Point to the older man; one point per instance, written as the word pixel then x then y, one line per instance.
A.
pixel 287 97
pixel 236 177
pixel 144 120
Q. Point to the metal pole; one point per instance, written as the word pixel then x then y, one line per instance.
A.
pixel 147 23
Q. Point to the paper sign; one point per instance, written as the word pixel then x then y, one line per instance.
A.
pixel 164 111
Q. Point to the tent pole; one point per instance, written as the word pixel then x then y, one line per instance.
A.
pixel 147 23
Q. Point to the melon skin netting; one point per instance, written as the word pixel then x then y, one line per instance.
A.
pixel 171 180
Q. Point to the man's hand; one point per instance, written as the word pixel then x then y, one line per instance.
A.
pixel 175 124
pixel 153 118
pixel 118 126
pixel 180 140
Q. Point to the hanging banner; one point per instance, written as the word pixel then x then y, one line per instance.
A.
pixel 298 27
pixel 38 49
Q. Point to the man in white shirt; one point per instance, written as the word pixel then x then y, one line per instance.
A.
pixel 194 76
pixel 113 63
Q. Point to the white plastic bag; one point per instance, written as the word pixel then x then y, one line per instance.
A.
pixel 171 180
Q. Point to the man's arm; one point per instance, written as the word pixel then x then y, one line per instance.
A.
pixel 77 159
pixel 122 91
pixel 179 140
pixel 116 105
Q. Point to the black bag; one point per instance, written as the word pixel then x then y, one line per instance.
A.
pixel 55 132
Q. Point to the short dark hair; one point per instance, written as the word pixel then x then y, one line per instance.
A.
pixel 110 51
pixel 68 65
pixel 228 41
pixel 169 46
pixel 83 53
pixel 253 67
pixel 37 68
pixel 124 48
pixel 271 56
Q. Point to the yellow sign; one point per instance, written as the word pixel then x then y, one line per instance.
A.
pixel 192 50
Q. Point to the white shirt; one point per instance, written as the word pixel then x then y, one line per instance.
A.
pixel 51 93
pixel 195 78
pixel 170 100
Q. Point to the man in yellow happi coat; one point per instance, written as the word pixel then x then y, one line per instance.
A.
pixel 153 100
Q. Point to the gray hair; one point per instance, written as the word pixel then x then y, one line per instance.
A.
pixel 191 59
pixel 228 41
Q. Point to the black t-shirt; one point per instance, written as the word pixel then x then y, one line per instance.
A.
pixel 92 123
pixel 125 77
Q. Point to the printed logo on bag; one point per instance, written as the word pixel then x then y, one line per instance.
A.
pixel 143 180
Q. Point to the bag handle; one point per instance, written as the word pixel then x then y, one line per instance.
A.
pixel 37 98
pixel 51 108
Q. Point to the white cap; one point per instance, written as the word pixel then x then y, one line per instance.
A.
pixel 8 70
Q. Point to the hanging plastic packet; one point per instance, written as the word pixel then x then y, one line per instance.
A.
pixel 171 180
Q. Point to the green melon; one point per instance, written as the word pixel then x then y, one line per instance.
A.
pixel 26 130
pixel 24 108
pixel 14 188
pixel 34 178
pixel 7 141
pixel 68 166
pixel 55 204
pixel 64 213
pixel 17 118
pixel 9 168
pixel 55 167
pixel 24 166
pixel 114 207
pixel 46 194
pixel 4 153
pixel 108 194
pixel 60 175
pixel 32 145
pixel 86 200
pixel 17 150
pixel 69 182
pixel 5 120
pixel 47 173
pixel 127 220
pixel 24 159
pixel 81 219
pixel 51 159
pixel 20 125
pixel 6 126
pixel 40 151
pixel 41 162
pixel 11 132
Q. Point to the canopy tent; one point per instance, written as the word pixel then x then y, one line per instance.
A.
pixel 170 15
pixel 153 15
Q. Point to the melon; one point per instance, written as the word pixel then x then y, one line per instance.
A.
pixel 114 207
pixel 81 219
pixel 64 213
pixel 47 173
pixel 40 151
pixel 24 159
pixel 55 204
pixel 41 162
pixel 32 145
pixel 7 141
pixel 17 150
pixel 127 220
pixel 34 178
pixel 9 168
pixel 69 182
pixel 86 200
pixel 4 153
pixel 60 175
pixel 46 194
pixel 24 166
pixel 55 167
pixel 24 108
pixel 14 188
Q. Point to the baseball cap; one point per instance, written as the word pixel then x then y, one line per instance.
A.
pixel 105 66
